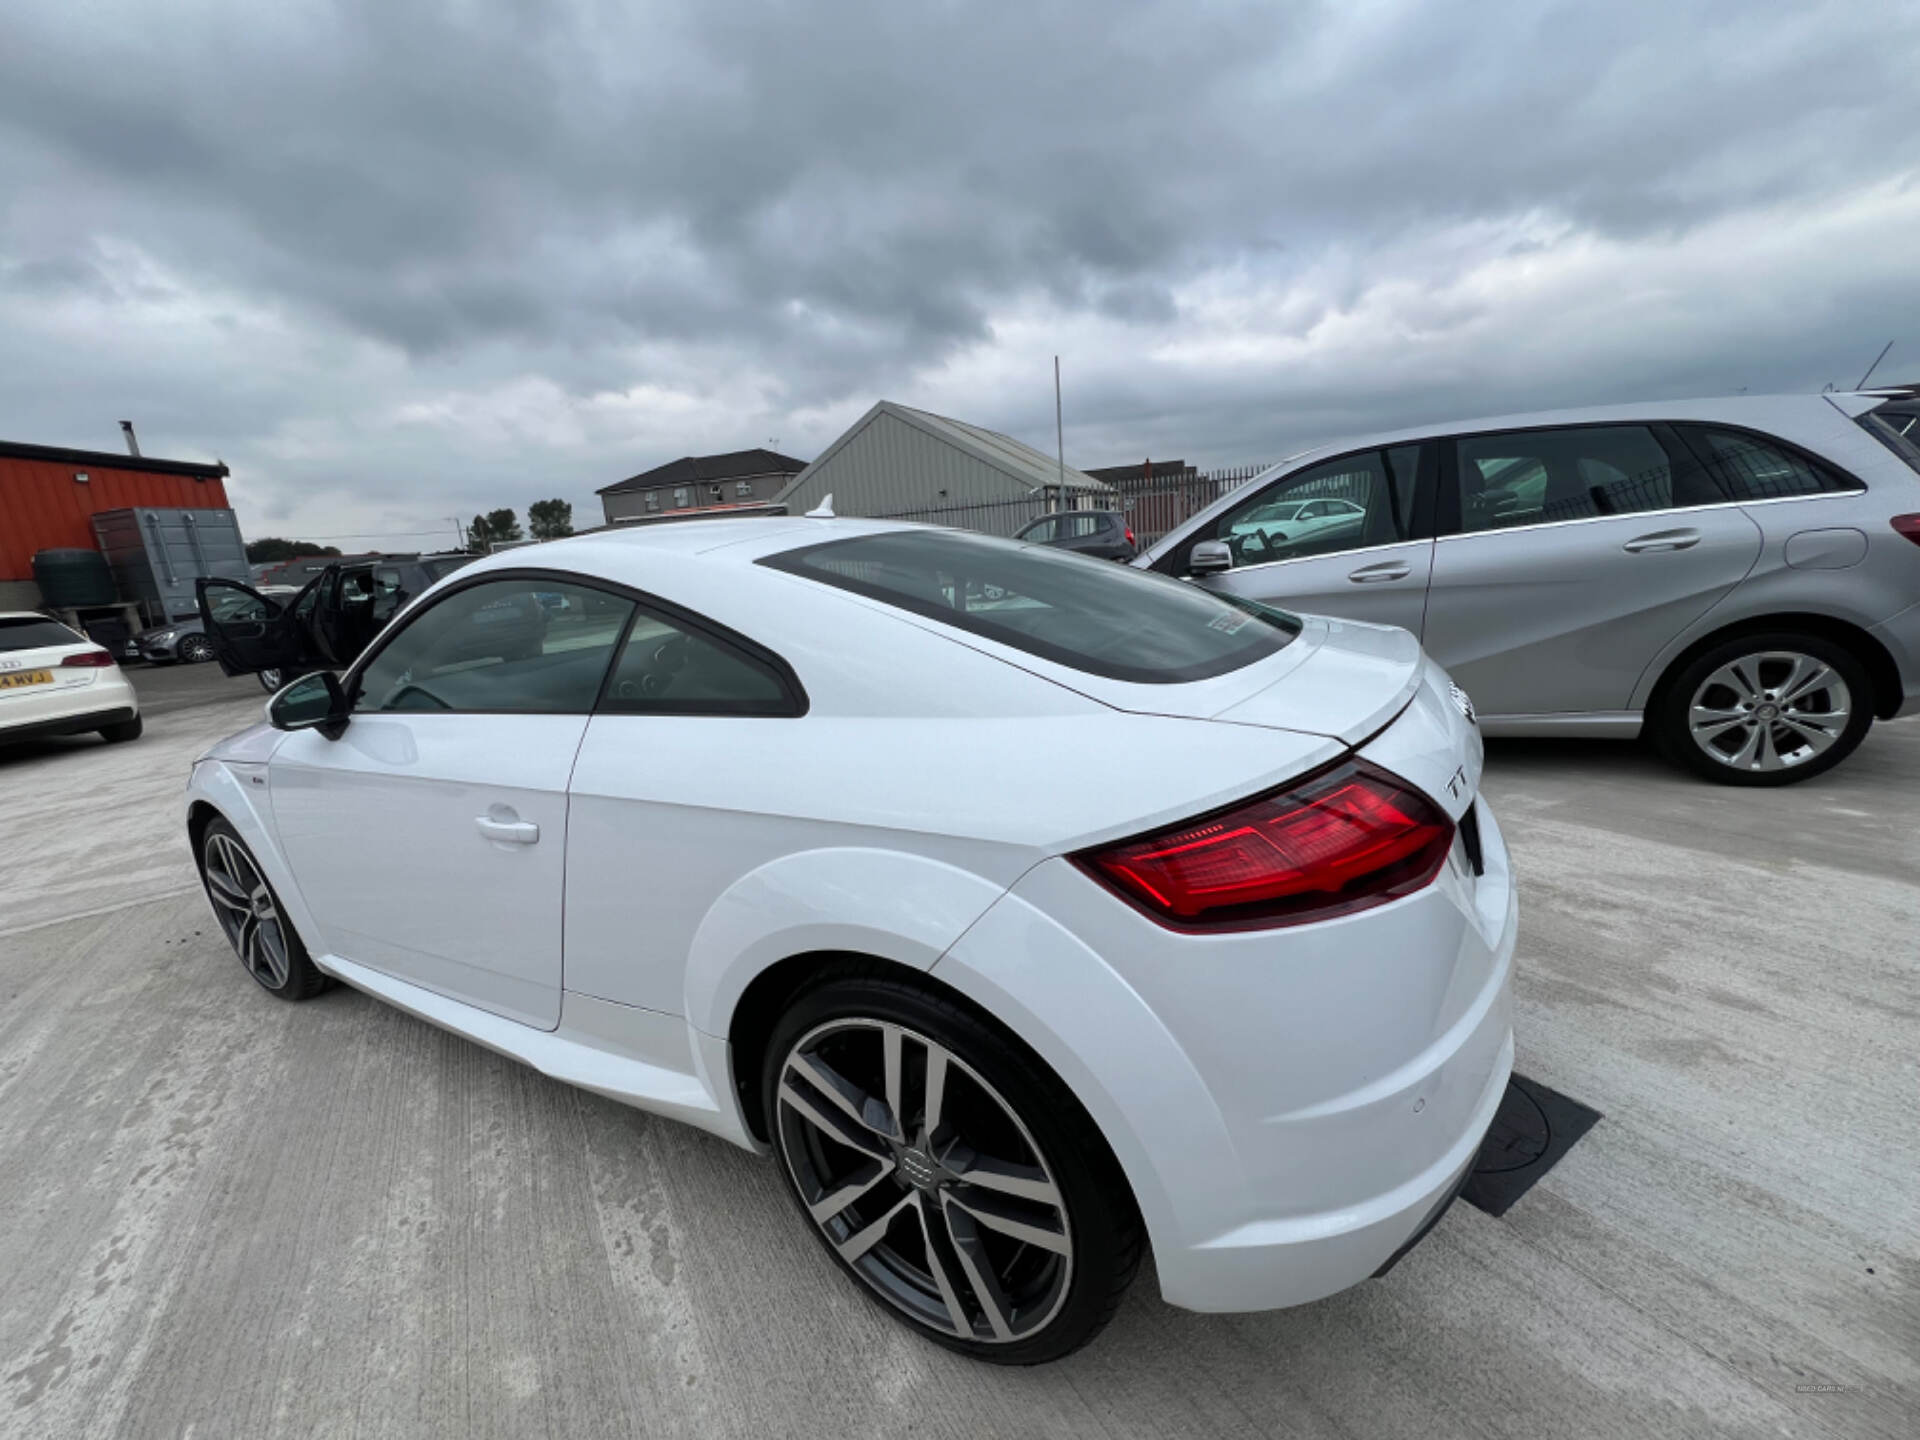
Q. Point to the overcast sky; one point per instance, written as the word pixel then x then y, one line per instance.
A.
pixel 396 261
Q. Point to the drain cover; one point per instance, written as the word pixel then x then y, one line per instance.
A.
pixel 1534 1128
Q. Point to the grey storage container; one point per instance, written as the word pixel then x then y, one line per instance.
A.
pixel 158 553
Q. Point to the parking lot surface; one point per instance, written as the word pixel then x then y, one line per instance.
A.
pixel 221 1215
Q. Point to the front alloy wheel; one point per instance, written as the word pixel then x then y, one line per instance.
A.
pixel 250 917
pixel 998 1228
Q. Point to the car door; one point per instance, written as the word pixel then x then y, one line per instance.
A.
pixel 1569 557
pixel 1372 569
pixel 250 632
pixel 429 839
pixel 663 815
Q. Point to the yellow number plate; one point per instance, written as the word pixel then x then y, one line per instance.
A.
pixel 17 678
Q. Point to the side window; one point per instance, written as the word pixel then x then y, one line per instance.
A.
pixel 234 605
pixel 494 647
pixel 671 669
pixel 388 594
pixel 1344 504
pixel 1079 527
pixel 1042 532
pixel 1536 477
pixel 1749 468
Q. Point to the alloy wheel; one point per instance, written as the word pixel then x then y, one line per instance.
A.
pixel 246 910
pixel 1770 711
pixel 270 681
pixel 925 1180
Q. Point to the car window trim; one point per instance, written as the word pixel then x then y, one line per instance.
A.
pixel 1428 477
pixel 1666 434
pixel 675 614
pixel 1321 555
pixel 1851 484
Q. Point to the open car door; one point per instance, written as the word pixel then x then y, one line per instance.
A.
pixel 251 633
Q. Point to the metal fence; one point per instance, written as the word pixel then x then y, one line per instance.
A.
pixel 1152 503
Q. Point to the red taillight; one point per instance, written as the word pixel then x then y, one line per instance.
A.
pixel 1909 526
pixel 1130 534
pixel 1343 840
pixel 93 659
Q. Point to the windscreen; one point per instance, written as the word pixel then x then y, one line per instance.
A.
pixel 1092 615
pixel 31 632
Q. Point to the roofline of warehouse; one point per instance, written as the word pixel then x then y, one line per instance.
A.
pixel 112 460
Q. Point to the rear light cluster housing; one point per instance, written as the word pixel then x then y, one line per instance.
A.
pixel 1344 839
pixel 1908 525
pixel 89 659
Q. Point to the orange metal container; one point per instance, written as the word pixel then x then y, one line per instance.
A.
pixel 43 506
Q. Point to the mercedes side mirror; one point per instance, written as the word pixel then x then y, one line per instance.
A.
pixel 1210 557
pixel 313 702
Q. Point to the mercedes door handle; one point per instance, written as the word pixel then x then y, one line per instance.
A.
pixel 508 832
pixel 1662 540
pixel 1385 570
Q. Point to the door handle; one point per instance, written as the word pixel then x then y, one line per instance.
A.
pixel 1385 570
pixel 508 832
pixel 1662 540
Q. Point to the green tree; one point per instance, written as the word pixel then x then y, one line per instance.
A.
pixel 477 536
pixel 503 525
pixel 273 549
pixel 550 519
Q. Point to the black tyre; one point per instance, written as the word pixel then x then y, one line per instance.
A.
pixel 196 649
pixel 251 918
pixel 990 1216
pixel 122 732
pixel 272 680
pixel 1771 708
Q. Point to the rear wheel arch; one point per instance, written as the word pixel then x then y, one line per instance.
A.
pixel 1882 673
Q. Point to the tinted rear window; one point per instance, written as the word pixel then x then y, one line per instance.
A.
pixel 33 633
pixel 1091 615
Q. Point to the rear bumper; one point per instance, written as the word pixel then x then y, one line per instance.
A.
pixel 67 724
pixel 1291 1107
pixel 105 699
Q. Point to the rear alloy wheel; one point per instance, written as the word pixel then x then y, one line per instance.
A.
pixel 953 1176
pixel 1766 709
pixel 272 680
pixel 250 916
pixel 196 649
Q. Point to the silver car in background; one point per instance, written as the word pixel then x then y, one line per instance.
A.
pixel 1738 579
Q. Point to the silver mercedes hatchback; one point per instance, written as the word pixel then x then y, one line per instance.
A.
pixel 1737 579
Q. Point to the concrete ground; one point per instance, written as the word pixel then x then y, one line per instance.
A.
pixel 221 1215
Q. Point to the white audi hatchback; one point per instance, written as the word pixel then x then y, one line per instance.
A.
pixel 1029 909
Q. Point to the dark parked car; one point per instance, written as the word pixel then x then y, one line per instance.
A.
pixel 1104 534
pixel 332 619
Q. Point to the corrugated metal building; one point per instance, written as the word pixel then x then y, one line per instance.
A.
pixel 898 460
pixel 49 496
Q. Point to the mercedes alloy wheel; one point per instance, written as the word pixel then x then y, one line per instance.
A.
pixel 1766 709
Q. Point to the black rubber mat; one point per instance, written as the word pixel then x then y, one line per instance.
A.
pixel 1534 1129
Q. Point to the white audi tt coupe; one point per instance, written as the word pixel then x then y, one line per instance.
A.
pixel 1029 909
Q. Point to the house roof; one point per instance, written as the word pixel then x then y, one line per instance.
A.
pixel 690 469
pixel 1002 452
pixel 111 460
pixel 1158 469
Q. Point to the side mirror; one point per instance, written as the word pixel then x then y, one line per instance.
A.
pixel 313 702
pixel 1210 557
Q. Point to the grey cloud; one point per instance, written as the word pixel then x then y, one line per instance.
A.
pixel 846 197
